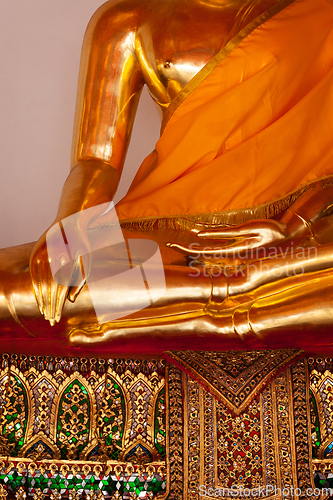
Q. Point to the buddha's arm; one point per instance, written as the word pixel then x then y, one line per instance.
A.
pixel 110 83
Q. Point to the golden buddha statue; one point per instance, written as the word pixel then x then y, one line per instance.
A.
pixel 240 182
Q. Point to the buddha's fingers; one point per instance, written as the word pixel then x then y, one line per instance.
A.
pixel 78 269
pixel 45 278
pixel 250 234
pixel 53 295
pixel 61 295
pixel 52 299
pixel 195 251
pixel 227 250
pixel 227 233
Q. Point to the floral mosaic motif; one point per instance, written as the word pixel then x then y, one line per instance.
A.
pixel 239 452
pixel 209 439
pixel 140 396
pixel 268 436
pixel 160 424
pixel 321 397
pixel 111 418
pixel 78 415
pixel 13 415
pixel 321 385
pixel 212 434
pixel 300 390
pixel 176 444
pixel 267 444
pixel 285 434
pixel 315 426
pixel 321 421
pixel 193 443
pixel 44 393
pixel 326 394
pixel 73 423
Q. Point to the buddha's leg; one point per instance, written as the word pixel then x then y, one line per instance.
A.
pixel 297 317
pixel 284 302
pixel 267 308
pixel 300 316
pixel 191 314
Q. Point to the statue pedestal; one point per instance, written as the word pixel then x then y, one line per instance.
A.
pixel 124 429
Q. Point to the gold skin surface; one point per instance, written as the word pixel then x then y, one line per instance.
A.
pixel 163 44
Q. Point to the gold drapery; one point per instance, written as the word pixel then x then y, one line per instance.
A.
pixel 250 132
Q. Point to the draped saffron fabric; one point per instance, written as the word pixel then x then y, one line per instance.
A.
pixel 250 130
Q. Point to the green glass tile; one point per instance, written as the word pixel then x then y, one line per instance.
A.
pixel 156 488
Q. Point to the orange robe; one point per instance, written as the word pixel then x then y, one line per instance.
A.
pixel 250 132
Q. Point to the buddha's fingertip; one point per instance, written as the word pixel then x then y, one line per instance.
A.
pixel 71 298
pixel 58 316
pixel 73 295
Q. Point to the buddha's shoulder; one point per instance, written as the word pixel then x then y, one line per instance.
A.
pixel 135 12
pixel 132 11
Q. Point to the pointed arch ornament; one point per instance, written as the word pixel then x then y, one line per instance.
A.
pixel 322 390
pixel 193 430
pixel 73 416
pixel 114 413
pixel 41 465
pixel 17 410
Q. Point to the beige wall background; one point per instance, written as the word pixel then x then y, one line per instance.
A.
pixel 40 45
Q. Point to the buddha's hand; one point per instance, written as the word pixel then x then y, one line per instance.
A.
pixel 235 241
pixel 56 272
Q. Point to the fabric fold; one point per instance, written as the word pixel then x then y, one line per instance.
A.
pixel 252 135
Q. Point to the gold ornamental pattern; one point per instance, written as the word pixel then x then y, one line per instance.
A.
pixel 231 377
pixel 67 428
pixel 128 429
pixel 264 448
